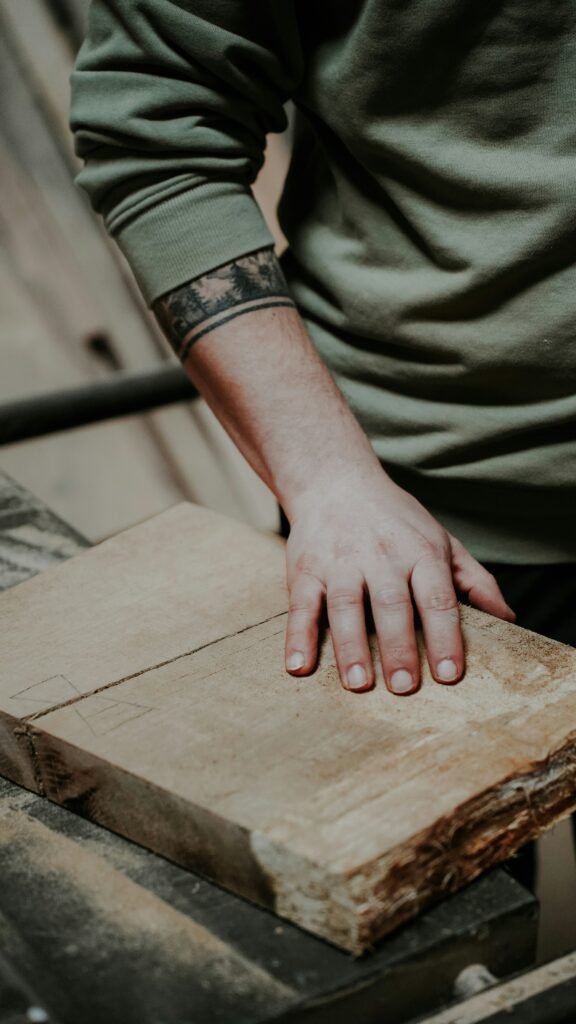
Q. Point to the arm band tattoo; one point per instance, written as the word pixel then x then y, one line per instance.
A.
pixel 248 283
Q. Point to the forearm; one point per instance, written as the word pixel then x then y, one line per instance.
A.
pixel 353 531
pixel 245 347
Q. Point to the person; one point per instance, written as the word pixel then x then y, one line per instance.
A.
pixel 404 380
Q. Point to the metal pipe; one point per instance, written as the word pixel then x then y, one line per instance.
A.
pixel 124 394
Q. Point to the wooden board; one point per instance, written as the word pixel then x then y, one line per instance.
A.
pixel 142 684
pixel 84 965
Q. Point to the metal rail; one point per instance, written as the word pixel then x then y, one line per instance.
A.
pixel 125 394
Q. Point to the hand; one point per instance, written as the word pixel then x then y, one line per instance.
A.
pixel 374 539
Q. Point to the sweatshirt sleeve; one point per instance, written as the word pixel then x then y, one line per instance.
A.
pixel 171 104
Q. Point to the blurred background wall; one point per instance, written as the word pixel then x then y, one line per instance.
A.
pixel 70 313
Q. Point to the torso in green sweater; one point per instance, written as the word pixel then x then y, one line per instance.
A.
pixel 431 214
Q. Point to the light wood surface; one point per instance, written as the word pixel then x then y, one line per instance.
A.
pixel 142 684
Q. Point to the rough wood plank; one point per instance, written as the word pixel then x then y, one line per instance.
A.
pixel 492 921
pixel 152 698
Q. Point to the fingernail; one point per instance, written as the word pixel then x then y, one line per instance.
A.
pixel 446 670
pixel 295 661
pixel 401 681
pixel 356 677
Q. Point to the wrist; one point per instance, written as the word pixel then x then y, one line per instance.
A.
pixel 337 481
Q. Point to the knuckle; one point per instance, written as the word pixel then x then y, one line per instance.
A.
pixel 348 648
pixel 388 596
pixel 305 576
pixel 433 549
pixel 305 591
pixel 343 549
pixel 302 598
pixel 384 547
pixel 297 612
pixel 300 622
pixel 428 550
pixel 398 656
pixel 490 579
pixel 481 576
pixel 302 630
pixel 440 601
pixel 343 599
pixel 305 566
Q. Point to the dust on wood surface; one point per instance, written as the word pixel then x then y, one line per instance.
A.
pixel 125 938
pixel 142 684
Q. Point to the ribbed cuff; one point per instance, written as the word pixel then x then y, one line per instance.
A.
pixel 189 234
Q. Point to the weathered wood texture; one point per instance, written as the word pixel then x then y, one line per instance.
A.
pixel 151 696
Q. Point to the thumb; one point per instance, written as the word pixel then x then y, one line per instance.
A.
pixel 479 584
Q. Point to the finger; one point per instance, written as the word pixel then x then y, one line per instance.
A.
pixel 347 621
pixel 435 598
pixel 479 584
pixel 305 607
pixel 394 621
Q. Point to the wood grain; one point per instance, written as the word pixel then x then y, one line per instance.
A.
pixel 150 696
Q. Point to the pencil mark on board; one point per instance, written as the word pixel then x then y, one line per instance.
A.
pixel 47 693
pixel 102 715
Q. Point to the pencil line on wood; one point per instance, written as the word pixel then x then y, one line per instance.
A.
pixel 35 715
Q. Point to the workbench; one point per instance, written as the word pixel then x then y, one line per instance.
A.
pixel 96 929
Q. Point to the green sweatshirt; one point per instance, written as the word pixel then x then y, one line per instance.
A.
pixel 430 210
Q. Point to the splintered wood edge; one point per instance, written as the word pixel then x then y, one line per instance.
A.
pixel 17 756
pixel 354 910
pixel 350 909
pixel 481 832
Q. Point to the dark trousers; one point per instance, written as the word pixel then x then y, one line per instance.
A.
pixel 543 597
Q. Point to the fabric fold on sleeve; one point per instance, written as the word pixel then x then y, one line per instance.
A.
pixel 171 104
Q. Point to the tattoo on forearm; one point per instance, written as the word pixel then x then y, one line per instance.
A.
pixel 248 283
